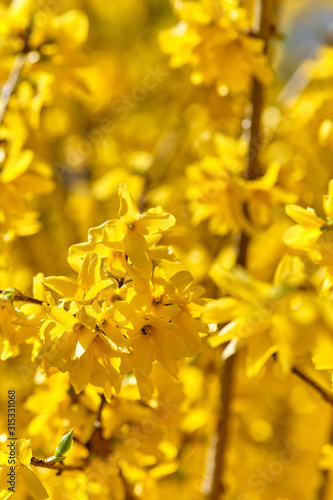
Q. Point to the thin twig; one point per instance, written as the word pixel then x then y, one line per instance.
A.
pixel 9 85
pixel 20 297
pixel 325 393
pixel 26 298
pixel 59 466
pixel 324 488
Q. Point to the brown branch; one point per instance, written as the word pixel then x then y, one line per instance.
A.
pixel 227 378
pixel 100 409
pixel 26 298
pixel 20 297
pixel 253 171
pixel 262 27
pixel 59 466
pixel 9 85
pixel 97 444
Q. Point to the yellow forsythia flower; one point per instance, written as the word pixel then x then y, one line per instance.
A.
pixel 212 38
pixel 20 469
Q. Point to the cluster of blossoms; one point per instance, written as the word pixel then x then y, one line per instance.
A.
pixel 312 235
pixel 124 311
pixel 131 310
pixel 210 32
pixel 22 178
pixel 285 318
pixel 110 348
pixel 41 45
pixel 289 317
pixel 225 195
pixel 29 30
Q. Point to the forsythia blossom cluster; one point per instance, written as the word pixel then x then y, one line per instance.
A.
pixel 110 356
pixel 212 31
pixel 122 313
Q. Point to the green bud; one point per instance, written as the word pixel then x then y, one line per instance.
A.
pixel 9 293
pixel 64 445
pixel 53 460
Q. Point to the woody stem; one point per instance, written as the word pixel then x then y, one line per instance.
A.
pixel 60 467
pixel 262 28
pixel 9 85
pixel 20 297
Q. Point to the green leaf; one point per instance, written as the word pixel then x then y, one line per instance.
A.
pixel 64 445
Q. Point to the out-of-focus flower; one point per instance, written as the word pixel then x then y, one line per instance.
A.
pixel 213 38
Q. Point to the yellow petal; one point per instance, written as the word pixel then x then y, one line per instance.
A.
pixel 110 283
pixel 328 200
pixel 76 253
pixel 323 352
pixel 3 458
pixel 290 271
pixel 5 494
pixel 162 253
pixel 23 451
pixel 3 478
pixel 14 169
pixel 258 352
pixel 238 283
pixel 228 332
pixel 170 343
pixel 73 25
pixel 63 349
pixel 103 351
pixel 63 286
pixel 220 310
pixel 86 336
pixel 143 354
pixel 87 315
pixel 80 375
pixel 127 208
pixel 33 184
pixel 181 281
pixel 38 287
pixel 170 364
pixel 304 217
pixel 145 385
pixel 301 237
pixel 90 272
pixel 60 315
pixel 157 221
pixel 137 251
pixel 187 330
pixel 33 484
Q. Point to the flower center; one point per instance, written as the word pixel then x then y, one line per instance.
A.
pixel 147 329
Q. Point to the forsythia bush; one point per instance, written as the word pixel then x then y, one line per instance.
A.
pixel 166 265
